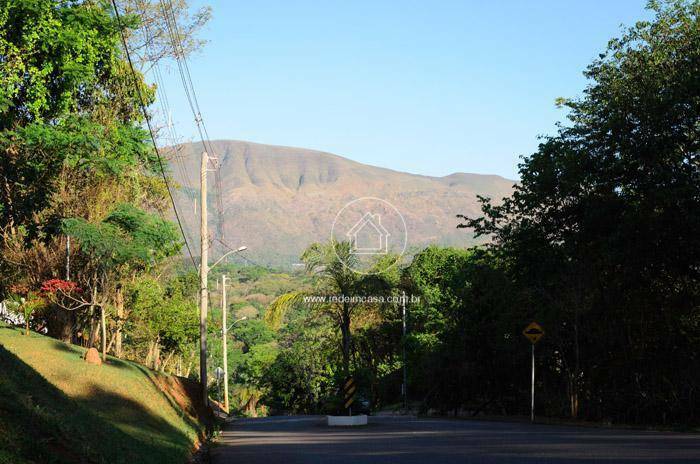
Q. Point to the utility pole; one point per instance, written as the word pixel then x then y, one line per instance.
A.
pixel 405 368
pixel 224 310
pixel 203 275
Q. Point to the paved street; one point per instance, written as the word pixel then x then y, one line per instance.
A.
pixel 306 440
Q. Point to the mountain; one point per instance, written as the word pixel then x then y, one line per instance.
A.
pixel 277 200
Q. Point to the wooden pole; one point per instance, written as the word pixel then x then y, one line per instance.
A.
pixel 203 275
pixel 103 324
pixel 119 306
pixel 224 323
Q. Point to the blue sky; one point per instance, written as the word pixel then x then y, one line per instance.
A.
pixel 429 87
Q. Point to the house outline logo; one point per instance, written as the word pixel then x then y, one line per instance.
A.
pixel 374 223
pixel 375 233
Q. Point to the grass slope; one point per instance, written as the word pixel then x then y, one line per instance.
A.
pixel 55 408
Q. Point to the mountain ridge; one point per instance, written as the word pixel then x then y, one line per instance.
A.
pixel 277 199
pixel 330 154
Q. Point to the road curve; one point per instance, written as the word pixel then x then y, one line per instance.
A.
pixel 397 440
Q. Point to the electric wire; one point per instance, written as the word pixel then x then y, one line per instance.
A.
pixel 150 129
pixel 191 95
pixel 164 102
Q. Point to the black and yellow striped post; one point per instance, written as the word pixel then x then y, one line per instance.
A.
pixel 349 388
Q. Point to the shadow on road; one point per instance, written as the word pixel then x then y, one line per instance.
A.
pixel 302 440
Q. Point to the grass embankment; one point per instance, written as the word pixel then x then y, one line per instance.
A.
pixel 56 408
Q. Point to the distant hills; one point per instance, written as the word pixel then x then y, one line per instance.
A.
pixel 276 200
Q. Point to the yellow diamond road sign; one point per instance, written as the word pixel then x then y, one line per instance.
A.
pixel 533 332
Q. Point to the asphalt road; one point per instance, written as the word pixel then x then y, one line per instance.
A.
pixel 307 440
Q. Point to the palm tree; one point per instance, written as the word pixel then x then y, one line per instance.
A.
pixel 336 290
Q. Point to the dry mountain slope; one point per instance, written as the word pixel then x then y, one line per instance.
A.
pixel 277 200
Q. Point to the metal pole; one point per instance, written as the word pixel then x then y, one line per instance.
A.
pixel 224 310
pixel 203 275
pixel 532 390
pixel 405 368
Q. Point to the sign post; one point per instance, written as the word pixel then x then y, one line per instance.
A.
pixel 532 387
pixel 349 394
pixel 533 332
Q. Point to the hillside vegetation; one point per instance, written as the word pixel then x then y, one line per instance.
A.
pixel 56 408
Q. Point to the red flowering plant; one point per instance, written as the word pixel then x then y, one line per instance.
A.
pixel 57 285
pixel 63 293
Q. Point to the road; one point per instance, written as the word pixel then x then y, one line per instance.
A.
pixel 306 440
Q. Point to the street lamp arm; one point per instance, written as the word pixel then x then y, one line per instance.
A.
pixel 236 322
pixel 243 248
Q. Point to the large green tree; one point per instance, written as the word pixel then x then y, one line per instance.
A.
pixel 69 112
pixel 337 293
pixel 602 234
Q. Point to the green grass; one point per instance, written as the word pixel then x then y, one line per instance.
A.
pixel 56 408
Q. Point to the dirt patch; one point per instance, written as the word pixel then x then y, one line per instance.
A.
pixel 187 395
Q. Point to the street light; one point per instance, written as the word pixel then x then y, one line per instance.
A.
pixel 238 250
pixel 224 344
pixel 234 323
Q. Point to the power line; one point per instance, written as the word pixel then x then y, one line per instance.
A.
pixel 150 129
pixel 191 94
pixel 244 258
pixel 164 103
pixel 210 148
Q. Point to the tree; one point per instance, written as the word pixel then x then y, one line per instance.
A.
pixel 127 241
pixel 602 235
pixel 302 378
pixel 464 336
pixel 159 22
pixel 253 332
pixel 162 318
pixel 338 291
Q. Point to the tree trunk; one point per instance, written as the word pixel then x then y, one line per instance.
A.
pixel 111 342
pixel 94 329
pixel 156 355
pixel 577 367
pixel 149 354
pixel 189 364
pixel 573 393
pixel 345 331
pixel 119 305
pixel 251 407
pixel 103 336
pixel 167 361
pixel 59 324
